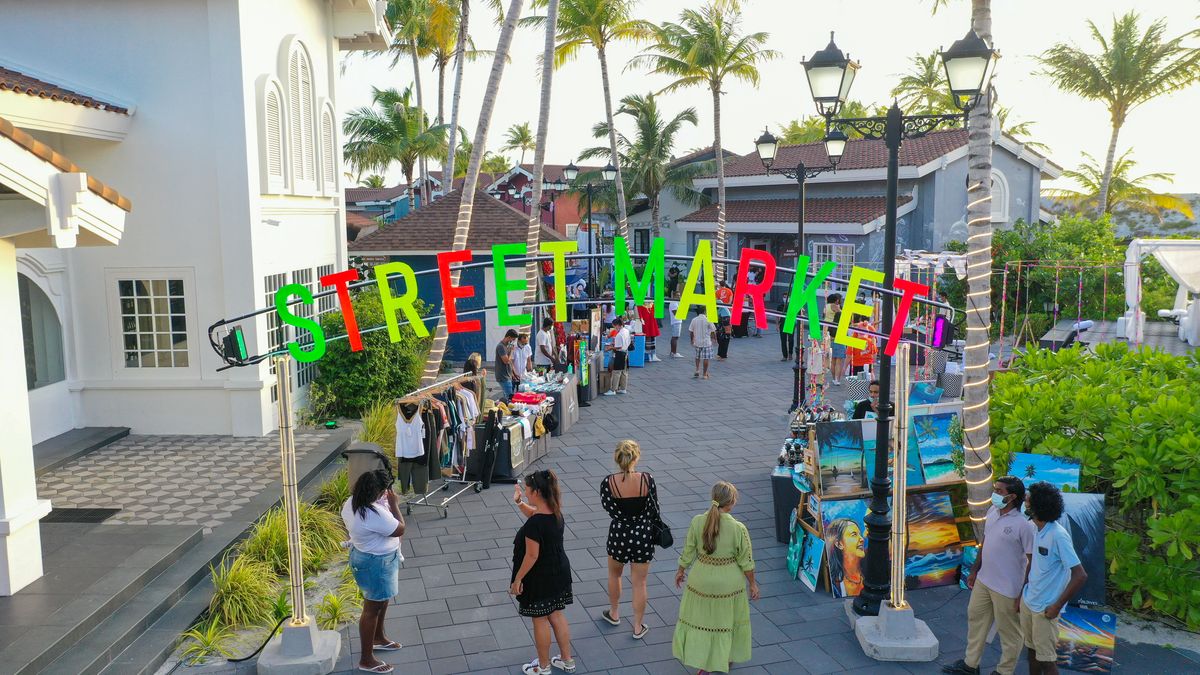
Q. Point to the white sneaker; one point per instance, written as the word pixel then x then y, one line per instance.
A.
pixel 559 662
pixel 622 391
pixel 536 668
pixel 677 355
pixel 610 392
pixel 655 358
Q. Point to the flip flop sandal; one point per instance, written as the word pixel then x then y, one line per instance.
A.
pixel 391 646
pixel 607 616
pixel 381 668
pixel 638 635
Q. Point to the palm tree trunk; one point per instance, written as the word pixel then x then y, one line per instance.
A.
pixel 441 116
pixel 539 151
pixel 456 95
pixel 655 209
pixel 1106 181
pixel 719 269
pixel 622 216
pixel 422 168
pixel 412 195
pixel 462 229
pixel 976 421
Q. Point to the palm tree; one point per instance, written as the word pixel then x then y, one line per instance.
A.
pixel 440 42
pixel 1129 68
pixel 519 137
pixel 1021 131
pixel 408 21
pixel 1126 192
pixel 394 130
pixel 922 90
pixel 703 49
pixel 648 155
pixel 534 230
pixel 599 23
pixel 811 129
pixel 495 163
pixel 433 364
pixel 373 181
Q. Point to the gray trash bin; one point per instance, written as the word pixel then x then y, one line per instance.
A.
pixel 364 457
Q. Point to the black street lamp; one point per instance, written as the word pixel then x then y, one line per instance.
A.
pixel 553 189
pixel 968 64
pixel 767 146
pixel 570 173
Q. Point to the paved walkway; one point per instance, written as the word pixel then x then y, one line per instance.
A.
pixel 453 612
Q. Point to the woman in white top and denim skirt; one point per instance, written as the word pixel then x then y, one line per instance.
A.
pixel 373 520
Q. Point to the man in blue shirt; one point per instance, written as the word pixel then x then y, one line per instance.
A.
pixel 1055 576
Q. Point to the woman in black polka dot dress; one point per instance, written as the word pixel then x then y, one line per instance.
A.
pixel 631 498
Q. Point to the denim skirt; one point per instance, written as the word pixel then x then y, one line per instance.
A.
pixel 377 576
pixel 839 351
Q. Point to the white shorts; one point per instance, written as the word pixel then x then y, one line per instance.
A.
pixel 676 329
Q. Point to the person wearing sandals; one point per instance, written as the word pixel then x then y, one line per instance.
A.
pixel 713 630
pixel 631 499
pixel 541 577
pixel 373 520
pixel 702 331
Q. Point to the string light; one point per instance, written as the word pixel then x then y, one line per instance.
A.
pixel 979 303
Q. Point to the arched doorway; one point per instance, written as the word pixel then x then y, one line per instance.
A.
pixel 42 334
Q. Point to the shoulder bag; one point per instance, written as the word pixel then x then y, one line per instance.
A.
pixel 660 533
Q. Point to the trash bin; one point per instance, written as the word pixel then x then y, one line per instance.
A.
pixel 364 457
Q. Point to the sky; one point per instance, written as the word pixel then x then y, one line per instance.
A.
pixel 881 34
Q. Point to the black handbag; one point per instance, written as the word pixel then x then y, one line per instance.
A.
pixel 660 533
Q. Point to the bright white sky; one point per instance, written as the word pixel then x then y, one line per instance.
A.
pixel 881 34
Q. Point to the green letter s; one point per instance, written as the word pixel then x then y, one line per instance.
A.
pixel 281 305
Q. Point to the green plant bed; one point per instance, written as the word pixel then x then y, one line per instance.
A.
pixel 334 492
pixel 1133 419
pixel 242 592
pixel 321 534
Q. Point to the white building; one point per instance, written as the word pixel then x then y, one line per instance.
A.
pixel 219 120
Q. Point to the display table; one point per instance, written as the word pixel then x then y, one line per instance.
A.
pixel 511 462
pixel 566 405
pixel 785 496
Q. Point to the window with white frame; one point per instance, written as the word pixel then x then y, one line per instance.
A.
pixel 305 372
pixel 842 254
pixel 301 120
pixel 277 331
pixel 999 197
pixel 329 159
pixel 153 323
pixel 327 303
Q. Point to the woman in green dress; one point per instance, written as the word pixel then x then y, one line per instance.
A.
pixel 713 630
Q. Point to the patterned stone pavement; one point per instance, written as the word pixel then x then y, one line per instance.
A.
pixel 172 480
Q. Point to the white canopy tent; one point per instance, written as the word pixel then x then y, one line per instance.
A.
pixel 1181 259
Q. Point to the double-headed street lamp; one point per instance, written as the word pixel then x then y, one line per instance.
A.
pixel 553 189
pixel 968 65
pixel 608 173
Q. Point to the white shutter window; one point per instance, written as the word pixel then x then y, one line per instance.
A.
pixel 306 121
pixel 329 163
pixel 294 112
pixel 274 136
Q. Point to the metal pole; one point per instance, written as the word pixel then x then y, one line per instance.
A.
pixel 799 335
pixel 876 579
pixel 291 500
pixel 900 478
pixel 591 239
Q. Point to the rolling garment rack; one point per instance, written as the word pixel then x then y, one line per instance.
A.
pixel 458 476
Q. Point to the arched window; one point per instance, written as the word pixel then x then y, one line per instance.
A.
pixel 329 152
pixel 272 134
pixel 1000 196
pixel 42 333
pixel 301 119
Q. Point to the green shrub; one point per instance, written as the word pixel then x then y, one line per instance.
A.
pixel 208 638
pixel 1133 419
pixel 381 370
pixel 281 608
pixel 243 590
pixel 335 610
pixel 334 492
pixel 321 535
pixel 379 426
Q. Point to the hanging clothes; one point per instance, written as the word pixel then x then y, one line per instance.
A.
pixel 410 431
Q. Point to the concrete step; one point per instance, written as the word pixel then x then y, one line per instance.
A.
pixel 140 636
pixel 145 565
pixel 55 452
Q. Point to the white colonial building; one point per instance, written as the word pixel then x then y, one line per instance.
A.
pixel 218 121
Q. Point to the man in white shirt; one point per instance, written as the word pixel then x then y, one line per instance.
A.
pixel 545 347
pixel 618 368
pixel 676 327
pixel 521 356
pixel 702 331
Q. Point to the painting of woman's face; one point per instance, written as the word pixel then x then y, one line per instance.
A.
pixel 852 541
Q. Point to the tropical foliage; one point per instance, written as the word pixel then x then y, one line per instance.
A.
pixel 811 129
pixel 373 181
pixel 321 534
pixel 494 163
pixel 1129 67
pixel 519 137
pixel 207 638
pixel 647 156
pixel 922 90
pixel 1133 420
pixel 242 592
pixel 1126 192
pixel 393 131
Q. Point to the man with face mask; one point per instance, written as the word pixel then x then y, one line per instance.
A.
pixel 871 405
pixel 996 580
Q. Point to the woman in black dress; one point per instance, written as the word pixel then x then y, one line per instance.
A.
pixel 541 578
pixel 631 498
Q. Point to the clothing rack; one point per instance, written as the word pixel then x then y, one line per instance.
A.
pixel 429 499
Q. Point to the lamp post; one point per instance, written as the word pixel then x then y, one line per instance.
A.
pixel 608 173
pixel 553 189
pixel 768 145
pixel 968 65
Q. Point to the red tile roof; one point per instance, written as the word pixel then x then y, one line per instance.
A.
pixel 701 152
pixel 431 228
pixel 24 84
pixel 356 223
pixel 60 162
pixel 860 154
pixel 355 195
pixel 553 172
pixel 831 210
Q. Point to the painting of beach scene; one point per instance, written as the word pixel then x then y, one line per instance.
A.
pixel 1083 517
pixel 840 445
pixel 924 393
pixel 810 562
pixel 1060 471
pixel 1087 640
pixel 934 444
pixel 969 555
pixel 913 473
pixel 933 551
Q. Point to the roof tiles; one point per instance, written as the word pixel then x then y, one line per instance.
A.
pixel 830 210
pixel 860 154
pixel 21 83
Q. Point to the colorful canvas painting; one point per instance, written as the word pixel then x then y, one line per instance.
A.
pixel 845 543
pixel 932 550
pixel 840 445
pixel 914 475
pixel 924 393
pixel 937 450
pixel 1060 471
pixel 810 566
pixel 1083 516
pixel 1087 640
pixel 969 555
